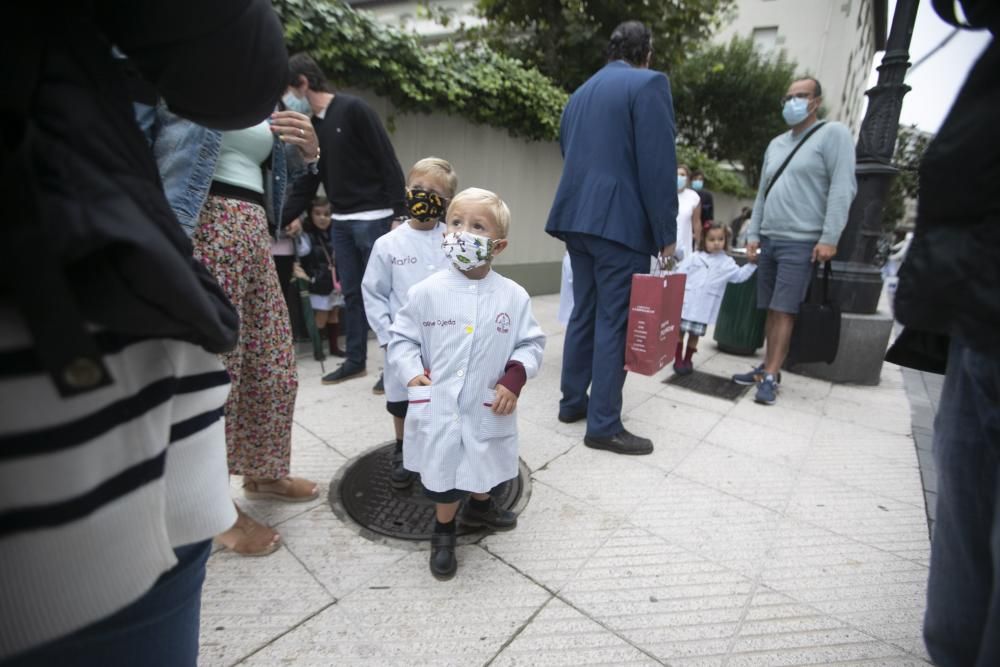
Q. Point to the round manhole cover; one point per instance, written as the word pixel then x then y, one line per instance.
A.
pixel 368 498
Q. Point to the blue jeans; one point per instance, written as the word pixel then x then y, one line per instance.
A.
pixel 962 624
pixel 594 351
pixel 160 629
pixel 352 245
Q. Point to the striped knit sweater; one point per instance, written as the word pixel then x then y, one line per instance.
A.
pixel 96 490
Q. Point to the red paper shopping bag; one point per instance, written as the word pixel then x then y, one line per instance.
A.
pixel 654 318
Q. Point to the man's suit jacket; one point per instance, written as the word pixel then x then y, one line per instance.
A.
pixel 619 178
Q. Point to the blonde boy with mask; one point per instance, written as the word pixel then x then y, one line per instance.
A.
pixel 465 343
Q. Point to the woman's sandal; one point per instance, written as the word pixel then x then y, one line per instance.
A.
pixel 289 489
pixel 249 537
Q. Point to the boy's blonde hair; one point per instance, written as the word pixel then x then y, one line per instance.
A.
pixel 496 206
pixel 435 165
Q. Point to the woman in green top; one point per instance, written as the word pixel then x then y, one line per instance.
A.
pixel 233 240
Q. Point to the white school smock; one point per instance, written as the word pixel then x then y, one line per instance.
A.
pixel 398 261
pixel 707 277
pixel 463 332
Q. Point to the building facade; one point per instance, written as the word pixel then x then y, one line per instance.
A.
pixel 834 41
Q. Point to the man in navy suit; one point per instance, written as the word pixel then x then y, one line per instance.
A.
pixel 615 207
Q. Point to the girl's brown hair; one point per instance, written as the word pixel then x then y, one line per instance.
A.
pixel 308 222
pixel 726 233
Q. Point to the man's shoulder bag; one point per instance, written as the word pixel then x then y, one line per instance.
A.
pixel 781 169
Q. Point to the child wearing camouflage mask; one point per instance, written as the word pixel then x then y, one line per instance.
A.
pixel 399 260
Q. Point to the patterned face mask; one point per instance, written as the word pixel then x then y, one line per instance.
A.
pixel 467 251
pixel 425 205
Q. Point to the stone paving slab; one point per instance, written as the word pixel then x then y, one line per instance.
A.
pixel 248 602
pixel 556 536
pixel 561 635
pixel 405 617
pixel 784 535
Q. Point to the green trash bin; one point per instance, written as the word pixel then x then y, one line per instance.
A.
pixel 739 328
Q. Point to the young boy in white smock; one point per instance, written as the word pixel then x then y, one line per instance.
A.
pixel 465 343
pixel 399 260
pixel 708 271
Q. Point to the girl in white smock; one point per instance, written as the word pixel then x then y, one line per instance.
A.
pixel 465 343
pixel 708 271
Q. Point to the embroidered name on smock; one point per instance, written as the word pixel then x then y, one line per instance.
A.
pixel 439 323
pixel 402 261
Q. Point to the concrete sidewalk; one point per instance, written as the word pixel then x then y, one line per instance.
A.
pixel 784 535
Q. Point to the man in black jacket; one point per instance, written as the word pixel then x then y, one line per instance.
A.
pixel 950 286
pixel 364 183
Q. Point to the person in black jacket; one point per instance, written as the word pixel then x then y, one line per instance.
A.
pixel 949 285
pixel 364 182
pixel 112 450
pixel 317 266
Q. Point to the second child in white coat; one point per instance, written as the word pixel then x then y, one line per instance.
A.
pixel 465 343
pixel 708 271
pixel 400 260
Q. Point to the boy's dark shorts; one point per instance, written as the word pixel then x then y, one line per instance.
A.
pixel 452 496
pixel 397 408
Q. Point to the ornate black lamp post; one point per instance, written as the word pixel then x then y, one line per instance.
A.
pixel 858 282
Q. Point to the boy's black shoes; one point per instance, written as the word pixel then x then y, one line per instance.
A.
pixel 345 371
pixel 443 562
pixel 400 477
pixel 492 516
pixel 621 443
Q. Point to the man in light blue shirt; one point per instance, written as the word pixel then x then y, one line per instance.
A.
pixel 798 217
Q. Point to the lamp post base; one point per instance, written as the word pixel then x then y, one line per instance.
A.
pixel 863 342
pixel 856 287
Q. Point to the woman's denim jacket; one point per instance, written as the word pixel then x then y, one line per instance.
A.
pixel 186 154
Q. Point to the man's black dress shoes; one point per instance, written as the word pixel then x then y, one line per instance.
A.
pixel 621 443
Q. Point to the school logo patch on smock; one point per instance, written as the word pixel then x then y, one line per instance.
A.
pixel 503 323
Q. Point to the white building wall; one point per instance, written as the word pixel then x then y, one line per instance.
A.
pixel 832 40
pixel 410 15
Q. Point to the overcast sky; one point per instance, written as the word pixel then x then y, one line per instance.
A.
pixel 937 81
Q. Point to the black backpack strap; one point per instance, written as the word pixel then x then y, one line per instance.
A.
pixel 788 159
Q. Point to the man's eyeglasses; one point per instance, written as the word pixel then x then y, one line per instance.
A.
pixel 798 96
